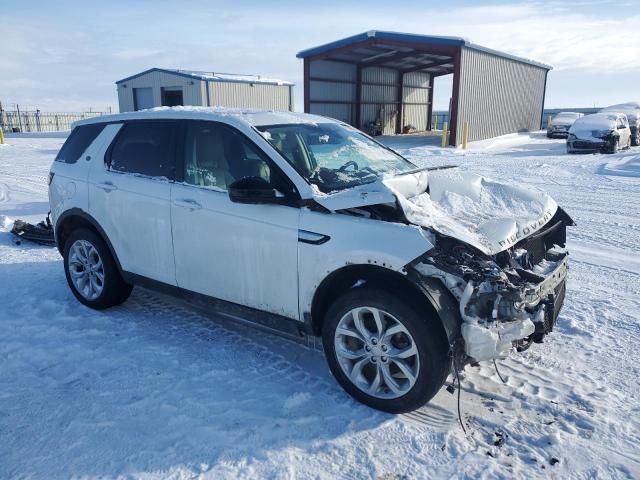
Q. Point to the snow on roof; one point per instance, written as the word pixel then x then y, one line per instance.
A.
pixel 596 121
pixel 255 117
pixel 212 76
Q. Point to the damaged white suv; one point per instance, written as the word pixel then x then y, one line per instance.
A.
pixel 305 225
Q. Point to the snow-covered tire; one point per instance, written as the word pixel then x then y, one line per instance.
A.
pixel 400 366
pixel 615 146
pixel 91 271
pixel 628 143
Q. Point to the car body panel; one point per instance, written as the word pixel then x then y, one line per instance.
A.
pixel 241 253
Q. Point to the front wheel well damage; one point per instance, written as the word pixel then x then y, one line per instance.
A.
pixel 355 276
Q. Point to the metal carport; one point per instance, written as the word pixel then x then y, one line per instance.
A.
pixel 389 76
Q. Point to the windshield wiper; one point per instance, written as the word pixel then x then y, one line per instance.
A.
pixel 424 169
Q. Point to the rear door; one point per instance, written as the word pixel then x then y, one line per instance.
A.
pixel 129 196
pixel 242 253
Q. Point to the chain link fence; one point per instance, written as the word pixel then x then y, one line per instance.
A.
pixel 36 121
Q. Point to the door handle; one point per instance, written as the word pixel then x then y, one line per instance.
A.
pixel 107 186
pixel 187 203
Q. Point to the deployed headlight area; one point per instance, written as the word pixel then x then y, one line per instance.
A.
pixel 506 300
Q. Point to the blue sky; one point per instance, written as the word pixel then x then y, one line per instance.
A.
pixel 66 55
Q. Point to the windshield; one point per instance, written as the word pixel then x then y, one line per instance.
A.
pixel 334 156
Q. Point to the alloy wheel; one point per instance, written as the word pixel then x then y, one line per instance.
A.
pixel 86 269
pixel 376 352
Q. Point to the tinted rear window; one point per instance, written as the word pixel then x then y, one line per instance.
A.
pixel 145 148
pixel 79 140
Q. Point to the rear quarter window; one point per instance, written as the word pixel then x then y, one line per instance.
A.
pixel 144 148
pixel 78 142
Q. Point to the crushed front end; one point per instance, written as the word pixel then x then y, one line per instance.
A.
pixel 509 299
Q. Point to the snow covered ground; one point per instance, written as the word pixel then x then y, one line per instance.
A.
pixel 154 389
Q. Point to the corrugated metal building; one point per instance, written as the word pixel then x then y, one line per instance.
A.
pixel 387 77
pixel 164 87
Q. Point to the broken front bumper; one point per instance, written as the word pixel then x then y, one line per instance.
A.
pixel 501 308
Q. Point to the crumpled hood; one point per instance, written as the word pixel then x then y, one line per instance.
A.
pixel 488 215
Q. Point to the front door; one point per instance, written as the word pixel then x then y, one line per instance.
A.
pixel 242 253
pixel 129 197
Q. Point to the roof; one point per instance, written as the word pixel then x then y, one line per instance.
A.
pixel 211 76
pixel 404 51
pixel 254 117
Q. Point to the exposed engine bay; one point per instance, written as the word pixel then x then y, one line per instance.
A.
pixel 507 273
pixel 509 299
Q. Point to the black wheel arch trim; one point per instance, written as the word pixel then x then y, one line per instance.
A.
pixel 78 212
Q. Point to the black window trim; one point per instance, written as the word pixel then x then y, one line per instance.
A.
pixel 175 141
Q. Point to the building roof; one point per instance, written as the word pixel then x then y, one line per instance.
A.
pixel 211 76
pixel 403 51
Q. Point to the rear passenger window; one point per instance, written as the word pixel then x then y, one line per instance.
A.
pixel 78 141
pixel 145 148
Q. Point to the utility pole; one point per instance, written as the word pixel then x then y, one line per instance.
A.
pixel 19 119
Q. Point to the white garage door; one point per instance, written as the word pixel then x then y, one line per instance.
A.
pixel 142 98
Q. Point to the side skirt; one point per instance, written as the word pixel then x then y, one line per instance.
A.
pixel 286 327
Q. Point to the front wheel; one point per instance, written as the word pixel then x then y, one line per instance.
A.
pixel 383 352
pixel 91 271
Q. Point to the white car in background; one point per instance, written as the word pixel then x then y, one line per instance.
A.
pixel 304 225
pixel 632 111
pixel 559 125
pixel 605 132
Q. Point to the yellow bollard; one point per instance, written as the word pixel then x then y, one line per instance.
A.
pixel 435 123
pixel 1 136
pixel 465 135
pixel 445 127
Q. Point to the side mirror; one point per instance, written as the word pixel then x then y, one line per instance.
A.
pixel 252 190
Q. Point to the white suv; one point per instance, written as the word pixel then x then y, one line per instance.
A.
pixel 305 225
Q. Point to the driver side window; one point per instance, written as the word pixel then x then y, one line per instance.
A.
pixel 215 156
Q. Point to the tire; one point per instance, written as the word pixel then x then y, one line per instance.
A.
pixel 615 147
pixel 429 364
pixel 549 135
pixel 82 250
pixel 636 139
pixel 628 143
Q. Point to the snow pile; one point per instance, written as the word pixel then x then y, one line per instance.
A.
pixel 486 214
pixel 627 166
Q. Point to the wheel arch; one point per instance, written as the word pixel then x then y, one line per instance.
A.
pixel 429 295
pixel 76 218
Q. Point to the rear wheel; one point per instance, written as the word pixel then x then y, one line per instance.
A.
pixel 91 271
pixel 383 352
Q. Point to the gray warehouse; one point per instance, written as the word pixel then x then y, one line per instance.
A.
pixel 158 87
pixel 386 78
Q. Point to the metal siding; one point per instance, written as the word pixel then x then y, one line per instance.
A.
pixel 325 91
pixel 378 100
pixel 342 112
pixel 334 70
pixel 248 95
pixel 415 91
pixel 498 95
pixel 191 89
